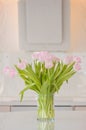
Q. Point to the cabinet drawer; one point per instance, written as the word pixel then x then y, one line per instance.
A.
pixel 63 108
pixel 27 108
pixel 22 108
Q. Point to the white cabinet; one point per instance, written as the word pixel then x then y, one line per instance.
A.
pixel 4 108
pixel 44 24
pixel 81 108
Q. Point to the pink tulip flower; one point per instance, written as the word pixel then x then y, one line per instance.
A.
pixel 77 59
pixel 77 67
pixel 22 64
pixel 6 69
pixel 9 71
pixel 40 56
pixel 68 60
pixel 12 73
pixel 48 65
pixel 45 57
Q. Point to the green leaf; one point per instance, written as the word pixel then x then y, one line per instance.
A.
pixel 59 70
pixel 25 89
pixel 28 74
pixel 69 68
pixel 33 76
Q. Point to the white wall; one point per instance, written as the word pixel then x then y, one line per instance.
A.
pixel 9 42
pixel 9 25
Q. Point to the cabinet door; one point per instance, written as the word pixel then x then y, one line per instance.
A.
pixel 44 24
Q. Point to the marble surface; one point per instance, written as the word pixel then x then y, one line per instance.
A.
pixel 69 120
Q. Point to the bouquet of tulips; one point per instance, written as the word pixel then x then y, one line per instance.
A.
pixel 46 74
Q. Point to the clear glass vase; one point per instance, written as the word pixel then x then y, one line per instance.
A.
pixel 45 107
pixel 46 125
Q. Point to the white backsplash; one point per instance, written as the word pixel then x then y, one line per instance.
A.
pixel 10 87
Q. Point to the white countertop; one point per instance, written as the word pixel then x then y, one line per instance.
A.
pixel 64 120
